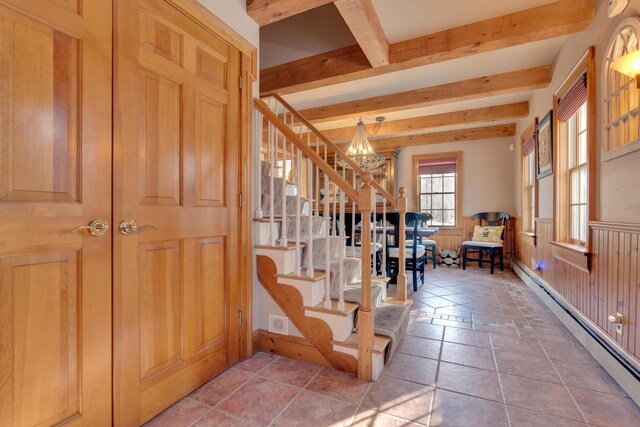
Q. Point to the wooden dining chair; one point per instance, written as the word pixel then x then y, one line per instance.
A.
pixel 415 253
pixel 494 248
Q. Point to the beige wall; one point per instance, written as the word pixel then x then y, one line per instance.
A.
pixel 487 174
pixel 618 192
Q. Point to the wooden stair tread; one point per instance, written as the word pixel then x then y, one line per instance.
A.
pixel 349 307
pixel 275 219
pixel 393 300
pixel 290 246
pixel 317 275
pixel 379 342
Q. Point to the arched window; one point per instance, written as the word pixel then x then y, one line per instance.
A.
pixel 621 121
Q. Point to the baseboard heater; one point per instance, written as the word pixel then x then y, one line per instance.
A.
pixel 633 373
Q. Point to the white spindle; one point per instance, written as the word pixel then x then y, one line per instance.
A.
pixel 341 252
pixel 335 197
pixel 383 261
pixel 258 123
pixel 273 150
pixel 374 270
pixel 283 227
pixel 327 241
pixel 309 263
pixel 327 245
pixel 298 180
pixel 317 180
pixel 353 219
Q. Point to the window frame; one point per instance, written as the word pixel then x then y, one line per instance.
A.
pixel 529 213
pixel 458 184
pixel 561 169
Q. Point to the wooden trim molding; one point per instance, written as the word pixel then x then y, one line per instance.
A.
pixel 289 346
pixel 615 226
pixel 266 12
pixel 575 255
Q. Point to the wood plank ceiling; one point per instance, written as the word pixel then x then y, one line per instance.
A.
pixel 374 57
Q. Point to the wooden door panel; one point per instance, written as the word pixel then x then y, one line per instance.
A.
pixel 161 140
pixel 211 293
pixel 210 156
pixel 160 307
pixel 55 175
pixel 40 111
pixel 39 313
pixel 176 123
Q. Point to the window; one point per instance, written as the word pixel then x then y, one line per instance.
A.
pixel 529 194
pixel 621 118
pixel 576 136
pixel 438 187
pixel 574 171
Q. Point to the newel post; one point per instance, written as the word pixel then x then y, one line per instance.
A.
pixel 365 315
pixel 401 281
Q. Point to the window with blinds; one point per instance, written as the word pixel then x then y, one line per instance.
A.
pixel 438 188
pixel 621 112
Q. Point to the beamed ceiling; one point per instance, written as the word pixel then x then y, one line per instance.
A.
pixel 438 71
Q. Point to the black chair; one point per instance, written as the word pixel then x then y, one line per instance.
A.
pixel 415 254
pixel 494 248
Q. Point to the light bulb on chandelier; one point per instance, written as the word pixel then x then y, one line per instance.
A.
pixel 360 150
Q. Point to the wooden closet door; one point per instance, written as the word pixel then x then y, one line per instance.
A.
pixel 55 175
pixel 176 168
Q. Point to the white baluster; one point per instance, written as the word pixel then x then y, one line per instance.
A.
pixel 283 227
pixel 258 124
pixel 273 149
pixel 327 245
pixel 309 263
pixel 353 219
pixel 374 271
pixel 298 178
pixel 335 196
pixel 383 267
pixel 342 254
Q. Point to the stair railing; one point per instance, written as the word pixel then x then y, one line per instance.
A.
pixel 295 144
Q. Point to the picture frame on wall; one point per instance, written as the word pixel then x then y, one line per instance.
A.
pixel 544 146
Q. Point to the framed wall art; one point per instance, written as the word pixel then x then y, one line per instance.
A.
pixel 544 146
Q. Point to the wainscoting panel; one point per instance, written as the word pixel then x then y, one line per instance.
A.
pixel 610 288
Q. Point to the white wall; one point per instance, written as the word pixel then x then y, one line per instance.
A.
pixel 618 192
pixel 487 174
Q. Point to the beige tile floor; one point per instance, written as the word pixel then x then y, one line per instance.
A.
pixel 481 350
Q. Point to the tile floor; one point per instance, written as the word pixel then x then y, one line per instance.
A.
pixel 481 350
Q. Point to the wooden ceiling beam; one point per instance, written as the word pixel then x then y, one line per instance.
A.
pixel 461 135
pixel 348 64
pixel 454 118
pixel 265 12
pixel 362 20
pixel 480 87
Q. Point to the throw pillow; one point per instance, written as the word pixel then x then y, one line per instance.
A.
pixel 487 233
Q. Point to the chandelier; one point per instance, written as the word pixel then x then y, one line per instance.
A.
pixel 361 152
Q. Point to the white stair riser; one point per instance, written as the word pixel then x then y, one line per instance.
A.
pixel 340 325
pixel 263 232
pixel 312 292
pixel 285 260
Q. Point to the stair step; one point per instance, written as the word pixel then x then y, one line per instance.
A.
pixel 317 275
pixel 349 308
pixel 291 246
pixel 267 219
pixel 379 342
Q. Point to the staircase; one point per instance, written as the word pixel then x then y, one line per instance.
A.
pixel 325 281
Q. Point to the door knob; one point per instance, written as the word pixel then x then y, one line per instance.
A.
pixel 97 228
pixel 129 226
